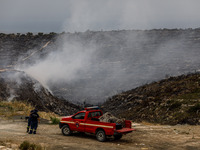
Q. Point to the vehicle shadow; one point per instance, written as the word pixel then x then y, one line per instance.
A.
pixel 93 137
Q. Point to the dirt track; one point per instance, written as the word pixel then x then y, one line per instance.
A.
pixel 146 137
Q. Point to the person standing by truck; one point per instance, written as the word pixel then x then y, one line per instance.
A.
pixel 33 121
pixel 29 121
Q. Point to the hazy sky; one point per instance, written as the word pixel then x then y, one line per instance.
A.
pixel 81 15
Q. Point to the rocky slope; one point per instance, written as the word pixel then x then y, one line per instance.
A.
pixel 17 85
pixel 175 100
pixel 118 58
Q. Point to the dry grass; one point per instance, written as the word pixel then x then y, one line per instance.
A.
pixel 9 109
pixel 149 123
pixel 15 108
pixel 48 115
pixel 26 145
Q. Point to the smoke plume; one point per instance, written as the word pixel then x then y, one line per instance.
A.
pixel 93 66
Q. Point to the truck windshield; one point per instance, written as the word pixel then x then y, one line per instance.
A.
pixel 79 116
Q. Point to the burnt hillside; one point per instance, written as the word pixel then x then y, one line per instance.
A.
pixel 120 60
pixel 17 85
pixel 175 100
pixel 15 47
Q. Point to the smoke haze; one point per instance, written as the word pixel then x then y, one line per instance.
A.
pixel 93 66
pixel 64 63
pixel 82 15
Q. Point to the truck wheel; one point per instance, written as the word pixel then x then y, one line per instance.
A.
pixel 66 130
pixel 101 136
pixel 117 137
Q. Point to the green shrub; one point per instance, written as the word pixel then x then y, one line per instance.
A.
pixel 54 120
pixel 27 146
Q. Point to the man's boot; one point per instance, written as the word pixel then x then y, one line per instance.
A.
pixel 27 129
pixel 34 132
pixel 31 131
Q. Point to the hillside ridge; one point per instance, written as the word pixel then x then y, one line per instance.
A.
pixel 175 100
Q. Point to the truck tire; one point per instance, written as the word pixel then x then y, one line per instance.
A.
pixel 101 136
pixel 66 130
pixel 117 137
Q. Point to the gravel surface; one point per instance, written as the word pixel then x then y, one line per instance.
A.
pixel 146 137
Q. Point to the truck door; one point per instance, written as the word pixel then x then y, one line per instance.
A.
pixel 78 120
pixel 92 121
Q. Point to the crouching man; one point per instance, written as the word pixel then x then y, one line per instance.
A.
pixel 33 121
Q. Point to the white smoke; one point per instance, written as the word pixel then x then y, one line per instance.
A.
pixel 68 63
pixel 131 14
pixel 99 67
pixel 12 95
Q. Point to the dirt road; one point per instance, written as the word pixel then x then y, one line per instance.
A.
pixel 146 137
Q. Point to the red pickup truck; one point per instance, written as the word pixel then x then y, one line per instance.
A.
pixel 88 121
